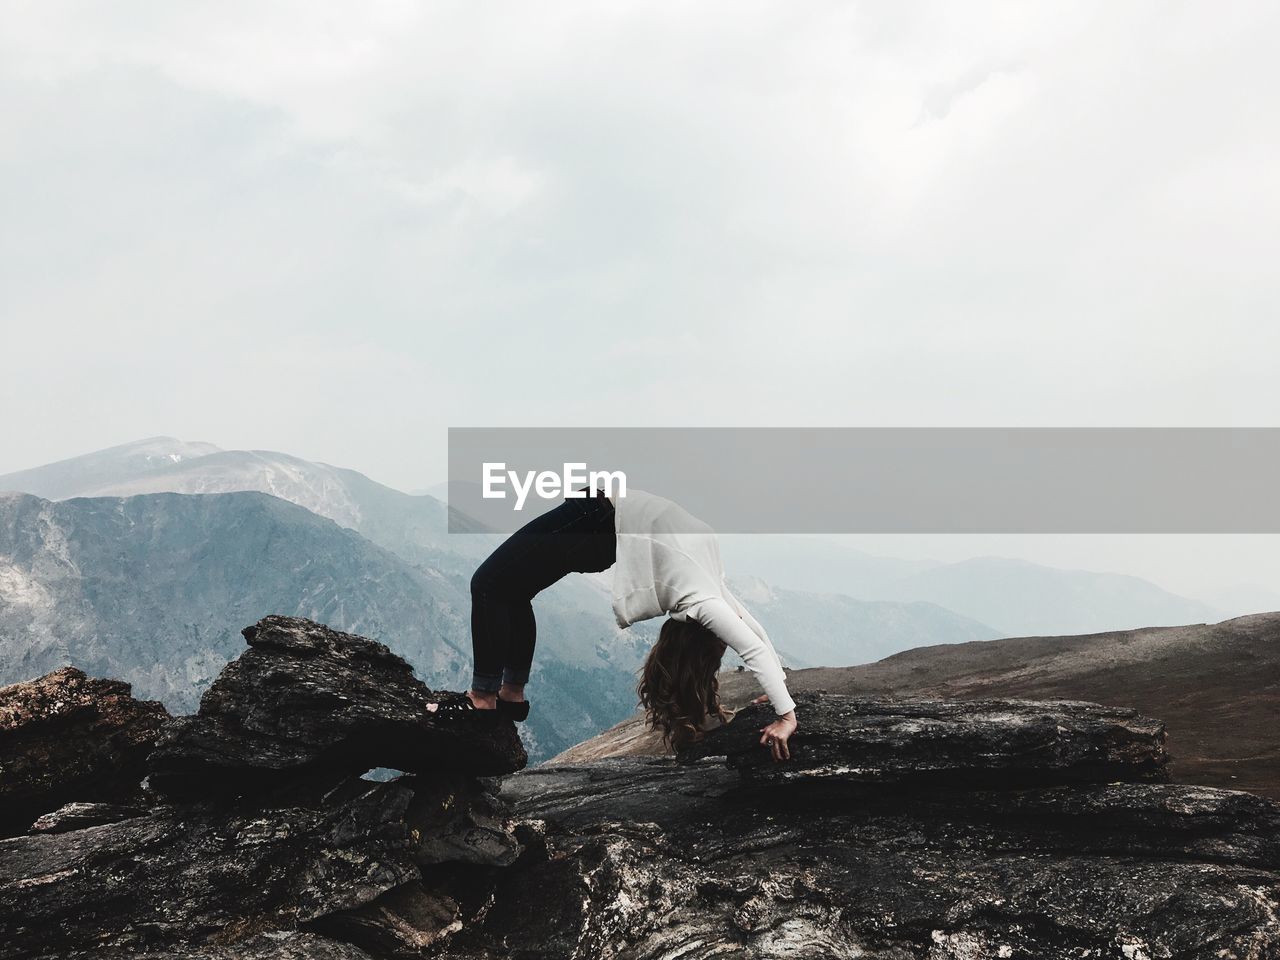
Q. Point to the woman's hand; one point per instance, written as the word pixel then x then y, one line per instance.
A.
pixel 774 737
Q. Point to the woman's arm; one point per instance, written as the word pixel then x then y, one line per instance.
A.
pixel 756 626
pixel 756 651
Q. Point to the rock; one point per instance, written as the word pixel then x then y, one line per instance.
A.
pixel 647 858
pixel 307 701
pixel 901 829
pixel 66 737
pixel 352 859
pixel 458 820
pixel 187 873
pixel 77 816
pixel 641 789
pixel 401 923
pixel 290 945
pixel 913 742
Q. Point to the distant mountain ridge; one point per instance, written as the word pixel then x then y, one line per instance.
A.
pixel 183 515
pixel 1015 597
pixel 126 586
pixel 153 589
pixel 817 629
pixel 1018 597
pixel 1012 597
pixel 415 527
pixel 132 587
pixel 76 476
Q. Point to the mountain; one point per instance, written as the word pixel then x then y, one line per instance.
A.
pixel 130 587
pixel 809 628
pixel 816 629
pixel 1021 598
pixel 130 461
pixel 1217 686
pixel 1015 597
pixel 151 589
pixel 1010 596
pixel 414 527
pixel 816 565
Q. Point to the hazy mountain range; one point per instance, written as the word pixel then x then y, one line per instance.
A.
pixel 816 629
pixel 153 588
pixel 153 548
pixel 1011 596
pixel 1014 597
pixel 416 527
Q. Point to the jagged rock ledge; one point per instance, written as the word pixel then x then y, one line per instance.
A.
pixel 67 737
pixel 901 829
pixel 306 701
pixel 255 817
pixel 914 742
pixel 685 861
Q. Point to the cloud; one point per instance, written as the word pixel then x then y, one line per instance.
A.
pixel 898 213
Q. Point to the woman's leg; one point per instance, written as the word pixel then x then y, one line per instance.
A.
pixel 579 536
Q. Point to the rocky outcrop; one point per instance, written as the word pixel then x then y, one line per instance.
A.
pixel 645 858
pixel 255 817
pixel 1216 687
pixel 306 701
pixel 901 828
pixel 910 741
pixel 77 816
pixel 192 872
pixel 67 737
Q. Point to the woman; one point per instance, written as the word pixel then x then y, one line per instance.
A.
pixel 665 562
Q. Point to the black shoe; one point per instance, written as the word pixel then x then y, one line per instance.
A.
pixel 514 710
pixel 458 706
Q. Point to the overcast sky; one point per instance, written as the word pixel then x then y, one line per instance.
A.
pixel 337 229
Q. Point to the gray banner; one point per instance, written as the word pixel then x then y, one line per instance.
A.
pixel 886 480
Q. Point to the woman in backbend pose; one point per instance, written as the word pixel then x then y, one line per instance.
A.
pixel 666 562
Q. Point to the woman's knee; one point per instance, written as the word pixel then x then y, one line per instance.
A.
pixel 492 581
pixel 483 581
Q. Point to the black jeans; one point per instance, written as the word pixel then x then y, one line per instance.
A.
pixel 576 536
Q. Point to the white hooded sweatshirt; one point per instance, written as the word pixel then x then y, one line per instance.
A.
pixel 669 563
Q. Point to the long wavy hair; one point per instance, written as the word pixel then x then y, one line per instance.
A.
pixel 678 686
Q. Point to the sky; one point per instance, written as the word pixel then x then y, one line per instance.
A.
pixel 337 229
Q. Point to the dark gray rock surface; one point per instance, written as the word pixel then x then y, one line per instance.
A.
pixel 213 871
pixel 77 816
pixel 914 741
pixel 194 872
pixel 66 737
pixel 305 700
pixel 646 858
pixel 278 945
pixel 901 829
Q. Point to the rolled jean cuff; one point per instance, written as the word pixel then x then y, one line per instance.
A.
pixel 485 683
pixel 515 678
